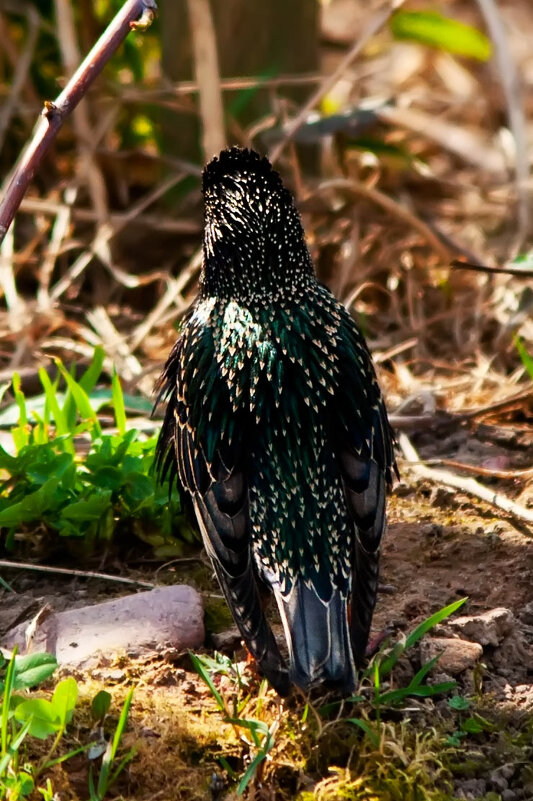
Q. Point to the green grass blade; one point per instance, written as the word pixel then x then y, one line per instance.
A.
pixel 202 672
pixel 81 399
pixel 250 773
pixel 14 746
pixel 105 778
pixel 432 29
pixel 8 690
pixel 20 432
pixel 90 377
pixel 367 729
pixel 52 407
pixel 417 634
pixel 432 621
pixel 525 356
pixel 118 404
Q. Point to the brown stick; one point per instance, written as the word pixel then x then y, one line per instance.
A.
pixel 506 269
pixel 133 14
pixel 467 485
pixel 374 26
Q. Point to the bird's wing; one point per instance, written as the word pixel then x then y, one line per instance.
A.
pixel 365 450
pixel 203 441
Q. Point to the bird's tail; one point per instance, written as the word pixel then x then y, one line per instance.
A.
pixel 318 636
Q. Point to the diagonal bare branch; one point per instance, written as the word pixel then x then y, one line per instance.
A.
pixel 133 14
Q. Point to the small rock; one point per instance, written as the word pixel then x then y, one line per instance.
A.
pixel 456 655
pixel 488 628
pixel 498 782
pixel 509 795
pixel 472 788
pixel 527 614
pixel 227 641
pixel 143 623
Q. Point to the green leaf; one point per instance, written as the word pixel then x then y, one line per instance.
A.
pixel 137 491
pixel 33 669
pixel 472 726
pixel 477 724
pixel 33 506
pixel 64 699
pixel 92 508
pixel 250 772
pixel 106 779
pixel 459 703
pixel 433 621
pixel 432 29
pixel 14 746
pixel 100 705
pixel 81 399
pixel 43 718
pixel 88 380
pixel 20 434
pixel 25 783
pixel 455 738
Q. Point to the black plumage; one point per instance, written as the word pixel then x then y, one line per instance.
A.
pixel 276 427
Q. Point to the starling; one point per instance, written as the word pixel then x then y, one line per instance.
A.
pixel 276 427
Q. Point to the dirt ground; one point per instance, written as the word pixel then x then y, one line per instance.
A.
pixel 441 545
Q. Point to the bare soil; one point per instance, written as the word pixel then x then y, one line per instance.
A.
pixel 440 546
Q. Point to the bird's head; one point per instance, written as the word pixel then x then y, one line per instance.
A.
pixel 254 242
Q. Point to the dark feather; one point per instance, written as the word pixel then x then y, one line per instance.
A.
pixel 276 426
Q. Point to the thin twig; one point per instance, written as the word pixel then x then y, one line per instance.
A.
pixel 469 145
pixel 63 571
pixel 88 169
pixel 59 232
pixel 358 188
pixel 22 70
pixel 515 114
pixel 134 13
pixel 36 205
pixel 468 485
pixel 99 245
pixel 172 296
pixel 373 27
pixel 207 76
pixel 15 304
pixel 508 269
pixel 489 472
pixel 127 365
pixel 498 406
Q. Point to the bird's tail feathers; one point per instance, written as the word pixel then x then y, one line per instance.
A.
pixel 363 600
pixel 243 599
pixel 318 637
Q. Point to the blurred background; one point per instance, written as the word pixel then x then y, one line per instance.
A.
pixel 416 154
pixel 403 131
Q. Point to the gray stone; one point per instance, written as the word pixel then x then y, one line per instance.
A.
pixel 527 614
pixel 227 641
pixel 144 623
pixel 488 628
pixel 456 655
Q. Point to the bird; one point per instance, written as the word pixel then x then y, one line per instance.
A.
pixel 276 427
